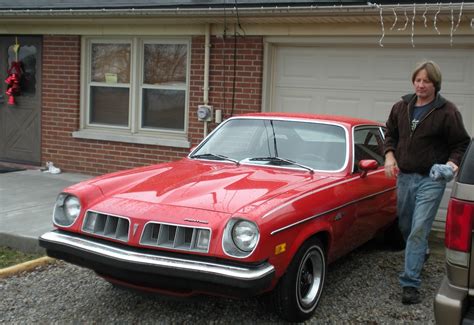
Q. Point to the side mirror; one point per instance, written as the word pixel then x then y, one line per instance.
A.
pixel 366 165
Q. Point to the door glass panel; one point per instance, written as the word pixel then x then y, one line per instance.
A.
pixel 368 144
pixel 109 105
pixel 27 55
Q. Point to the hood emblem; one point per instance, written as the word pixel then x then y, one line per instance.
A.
pixel 135 227
pixel 204 222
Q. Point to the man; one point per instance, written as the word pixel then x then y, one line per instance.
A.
pixel 423 129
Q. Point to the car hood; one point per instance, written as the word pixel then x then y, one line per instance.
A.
pixel 219 187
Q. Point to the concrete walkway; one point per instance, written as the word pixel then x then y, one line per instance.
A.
pixel 26 205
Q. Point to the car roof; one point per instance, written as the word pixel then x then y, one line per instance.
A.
pixel 352 121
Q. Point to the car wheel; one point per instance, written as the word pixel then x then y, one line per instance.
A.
pixel 298 292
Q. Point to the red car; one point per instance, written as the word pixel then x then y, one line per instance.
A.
pixel 261 206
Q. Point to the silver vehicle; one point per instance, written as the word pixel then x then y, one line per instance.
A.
pixel 454 302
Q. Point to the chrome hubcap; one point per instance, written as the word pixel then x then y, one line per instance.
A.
pixel 310 279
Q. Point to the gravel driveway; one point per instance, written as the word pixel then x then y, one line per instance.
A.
pixel 361 287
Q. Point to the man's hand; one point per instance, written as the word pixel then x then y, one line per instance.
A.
pixel 391 168
pixel 453 165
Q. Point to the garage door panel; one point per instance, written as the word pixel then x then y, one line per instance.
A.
pixel 390 69
pixel 465 105
pixel 381 108
pixel 344 67
pixel 301 102
pixel 353 103
pixel 300 70
pixel 341 104
pixel 369 68
pixel 296 100
pixel 297 68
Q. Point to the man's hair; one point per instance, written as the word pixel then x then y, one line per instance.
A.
pixel 432 70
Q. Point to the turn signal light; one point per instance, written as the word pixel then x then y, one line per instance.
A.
pixel 459 225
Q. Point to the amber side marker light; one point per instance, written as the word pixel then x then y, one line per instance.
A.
pixel 280 248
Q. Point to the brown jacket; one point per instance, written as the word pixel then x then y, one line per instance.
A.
pixel 440 136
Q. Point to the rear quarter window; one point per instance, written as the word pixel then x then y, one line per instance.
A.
pixel 466 171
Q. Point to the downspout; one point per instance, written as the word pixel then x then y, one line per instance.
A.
pixel 207 54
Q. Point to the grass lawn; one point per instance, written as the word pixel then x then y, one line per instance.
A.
pixel 9 257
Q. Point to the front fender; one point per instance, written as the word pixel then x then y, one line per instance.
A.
pixel 293 238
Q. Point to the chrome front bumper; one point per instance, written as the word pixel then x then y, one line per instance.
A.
pixel 104 258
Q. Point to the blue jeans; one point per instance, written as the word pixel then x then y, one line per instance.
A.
pixel 417 203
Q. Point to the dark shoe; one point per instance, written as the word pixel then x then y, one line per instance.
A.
pixel 427 254
pixel 410 296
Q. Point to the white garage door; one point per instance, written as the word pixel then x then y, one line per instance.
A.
pixel 366 82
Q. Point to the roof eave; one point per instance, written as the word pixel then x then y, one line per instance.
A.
pixel 242 12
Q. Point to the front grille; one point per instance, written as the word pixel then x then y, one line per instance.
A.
pixel 106 225
pixel 176 237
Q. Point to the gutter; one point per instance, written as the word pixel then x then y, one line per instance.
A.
pixel 207 54
pixel 370 8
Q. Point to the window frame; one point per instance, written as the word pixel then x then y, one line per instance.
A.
pixel 141 84
pixel 134 132
pixel 378 129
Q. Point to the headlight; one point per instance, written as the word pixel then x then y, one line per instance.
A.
pixel 245 235
pixel 67 209
pixel 240 238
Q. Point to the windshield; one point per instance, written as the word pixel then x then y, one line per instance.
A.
pixel 257 141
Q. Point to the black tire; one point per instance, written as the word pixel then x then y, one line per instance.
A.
pixel 298 292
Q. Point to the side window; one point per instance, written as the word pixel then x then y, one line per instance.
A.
pixel 368 144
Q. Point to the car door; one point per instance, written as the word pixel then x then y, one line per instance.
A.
pixel 376 194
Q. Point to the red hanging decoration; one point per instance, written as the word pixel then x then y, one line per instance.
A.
pixel 13 81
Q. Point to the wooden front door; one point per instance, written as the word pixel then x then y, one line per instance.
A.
pixel 20 124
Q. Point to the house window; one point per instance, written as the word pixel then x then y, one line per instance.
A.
pixel 164 86
pixel 135 90
pixel 109 87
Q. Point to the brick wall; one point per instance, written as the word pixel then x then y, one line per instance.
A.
pixel 247 97
pixel 61 92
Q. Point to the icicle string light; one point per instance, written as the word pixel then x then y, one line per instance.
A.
pixel 413 26
pixel 455 23
pixel 459 17
pixel 382 25
pixel 396 18
pixel 451 33
pixel 406 22
pixel 375 5
pixel 424 15
pixel 436 19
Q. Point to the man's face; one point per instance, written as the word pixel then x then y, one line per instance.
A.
pixel 424 88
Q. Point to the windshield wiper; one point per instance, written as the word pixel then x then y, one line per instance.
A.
pixel 213 155
pixel 284 160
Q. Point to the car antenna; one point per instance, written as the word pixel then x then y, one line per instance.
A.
pixel 274 139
